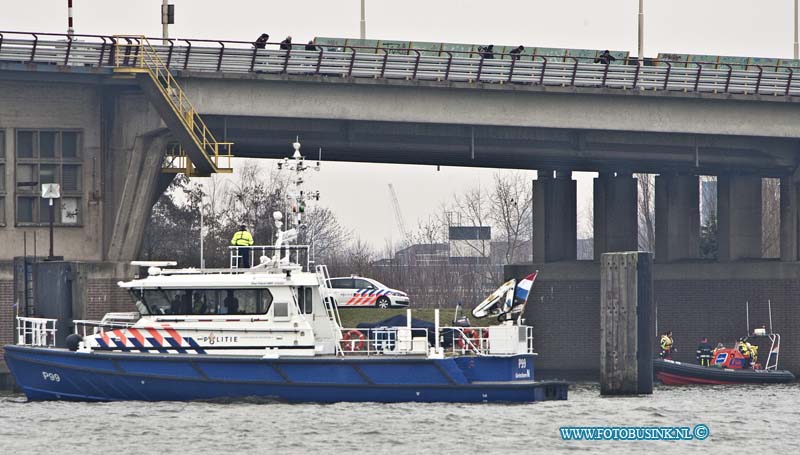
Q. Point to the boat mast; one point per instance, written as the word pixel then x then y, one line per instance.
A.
pixel 296 199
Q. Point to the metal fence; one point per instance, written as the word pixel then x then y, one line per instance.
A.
pixel 384 63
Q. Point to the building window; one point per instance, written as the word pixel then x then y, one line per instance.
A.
pixel 48 156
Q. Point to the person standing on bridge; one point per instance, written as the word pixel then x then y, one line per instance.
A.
pixel 261 42
pixel 243 238
pixel 286 44
pixel 487 52
pixel 605 58
pixel 516 52
pixel 311 46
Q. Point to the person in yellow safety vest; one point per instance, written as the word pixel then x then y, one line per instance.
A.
pixel 666 345
pixel 746 349
pixel 242 238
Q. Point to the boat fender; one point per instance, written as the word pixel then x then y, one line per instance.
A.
pixel 354 340
pixel 73 341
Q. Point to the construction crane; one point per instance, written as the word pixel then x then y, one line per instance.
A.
pixel 398 214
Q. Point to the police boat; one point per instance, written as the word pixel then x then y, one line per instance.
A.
pixel 271 331
pixel 729 365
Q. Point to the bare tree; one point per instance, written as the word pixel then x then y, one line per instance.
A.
pixel 709 248
pixel 510 212
pixel 647 211
pixel 770 218
pixel 473 208
pixel 585 247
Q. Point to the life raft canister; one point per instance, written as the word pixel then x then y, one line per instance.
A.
pixel 354 340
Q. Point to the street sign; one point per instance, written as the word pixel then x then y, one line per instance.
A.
pixel 51 190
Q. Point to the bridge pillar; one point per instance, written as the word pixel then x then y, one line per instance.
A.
pixel 677 217
pixel 616 226
pixel 554 217
pixel 790 225
pixel 739 217
pixel 133 178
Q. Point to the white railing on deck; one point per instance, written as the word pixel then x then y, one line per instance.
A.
pixel 453 340
pixel 384 340
pixel 297 254
pixel 39 332
pixel 84 327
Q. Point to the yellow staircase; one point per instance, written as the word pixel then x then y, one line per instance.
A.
pixel 197 152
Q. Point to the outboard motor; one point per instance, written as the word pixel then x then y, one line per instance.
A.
pixel 463 320
pixel 73 341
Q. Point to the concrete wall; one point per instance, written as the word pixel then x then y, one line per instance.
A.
pixel 692 299
pixel 94 293
pixel 122 139
pixel 47 106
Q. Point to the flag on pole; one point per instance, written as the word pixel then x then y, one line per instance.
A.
pixel 524 287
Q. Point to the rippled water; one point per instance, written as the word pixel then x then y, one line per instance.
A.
pixel 741 419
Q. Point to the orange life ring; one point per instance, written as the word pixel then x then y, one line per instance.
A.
pixel 353 339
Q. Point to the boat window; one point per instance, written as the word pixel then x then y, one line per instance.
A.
pixel 281 310
pixel 304 300
pixel 205 301
pixel 266 300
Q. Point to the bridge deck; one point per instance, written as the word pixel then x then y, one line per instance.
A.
pixel 354 62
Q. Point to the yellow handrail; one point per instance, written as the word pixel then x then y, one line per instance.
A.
pixel 146 57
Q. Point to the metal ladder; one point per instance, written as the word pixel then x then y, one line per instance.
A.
pixel 137 55
pixel 328 301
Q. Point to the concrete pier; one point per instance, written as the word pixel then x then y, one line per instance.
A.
pixel 616 226
pixel 790 225
pixel 739 217
pixel 677 217
pixel 626 323
pixel 554 217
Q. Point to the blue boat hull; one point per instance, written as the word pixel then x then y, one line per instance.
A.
pixel 57 374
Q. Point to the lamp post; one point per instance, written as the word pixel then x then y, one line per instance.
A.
pixel 641 30
pixel 51 191
pixel 364 20
pixel 795 30
pixel 167 17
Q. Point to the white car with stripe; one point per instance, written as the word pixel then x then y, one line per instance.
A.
pixel 356 291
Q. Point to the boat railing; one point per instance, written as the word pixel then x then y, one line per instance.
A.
pixel 454 340
pixel 85 327
pixel 39 332
pixel 289 254
pixel 477 341
pixel 384 341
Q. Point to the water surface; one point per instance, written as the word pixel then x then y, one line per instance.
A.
pixel 742 419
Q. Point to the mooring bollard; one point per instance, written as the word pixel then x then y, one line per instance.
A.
pixel 626 323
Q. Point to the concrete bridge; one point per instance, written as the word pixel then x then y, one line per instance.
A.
pixel 556 117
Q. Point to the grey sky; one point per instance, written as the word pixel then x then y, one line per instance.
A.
pixel 358 192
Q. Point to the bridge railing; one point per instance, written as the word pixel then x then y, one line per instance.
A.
pixel 412 64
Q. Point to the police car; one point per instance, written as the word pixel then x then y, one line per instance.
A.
pixel 356 292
